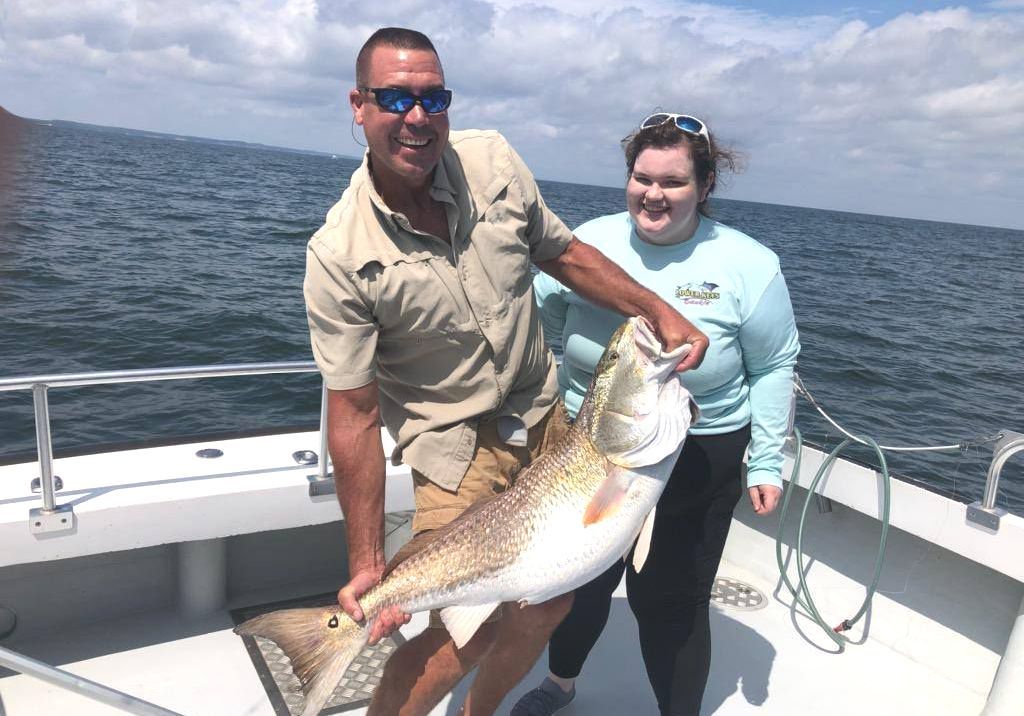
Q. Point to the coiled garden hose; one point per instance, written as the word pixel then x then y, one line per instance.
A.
pixel 807 601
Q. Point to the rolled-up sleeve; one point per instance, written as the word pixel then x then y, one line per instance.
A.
pixel 342 330
pixel 546 234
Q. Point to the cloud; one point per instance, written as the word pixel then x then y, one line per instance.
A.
pixel 838 111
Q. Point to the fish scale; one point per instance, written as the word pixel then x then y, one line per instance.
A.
pixel 496 537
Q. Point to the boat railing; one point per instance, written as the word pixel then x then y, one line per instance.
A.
pixel 52 517
pixel 1005 444
pixel 79 685
pixel 57 518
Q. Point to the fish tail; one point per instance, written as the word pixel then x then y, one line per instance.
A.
pixel 320 642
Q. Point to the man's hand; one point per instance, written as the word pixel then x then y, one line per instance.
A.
pixel 674 330
pixel 387 621
pixel 764 498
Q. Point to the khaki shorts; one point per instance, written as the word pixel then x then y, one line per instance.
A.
pixel 492 470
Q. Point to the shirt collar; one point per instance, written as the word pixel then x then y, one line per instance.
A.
pixel 440 188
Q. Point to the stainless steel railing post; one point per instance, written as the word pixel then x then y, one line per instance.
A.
pixel 985 513
pixel 325 453
pixel 79 685
pixel 44 446
pixel 1004 453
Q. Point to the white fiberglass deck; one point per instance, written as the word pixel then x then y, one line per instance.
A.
pixel 937 630
pixel 761 665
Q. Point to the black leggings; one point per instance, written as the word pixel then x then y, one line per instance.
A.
pixel 670 596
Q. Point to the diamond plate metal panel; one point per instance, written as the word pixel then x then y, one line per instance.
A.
pixel 283 689
pixel 355 688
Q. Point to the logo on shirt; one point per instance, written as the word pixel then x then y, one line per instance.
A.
pixel 698 294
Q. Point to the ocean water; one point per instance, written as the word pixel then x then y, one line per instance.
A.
pixel 122 250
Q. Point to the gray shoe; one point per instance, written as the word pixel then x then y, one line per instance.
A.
pixel 546 699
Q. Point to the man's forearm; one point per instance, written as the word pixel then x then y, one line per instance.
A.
pixel 592 275
pixel 359 480
pixel 358 457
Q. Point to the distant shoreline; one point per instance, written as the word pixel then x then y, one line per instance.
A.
pixel 6 117
pixel 11 124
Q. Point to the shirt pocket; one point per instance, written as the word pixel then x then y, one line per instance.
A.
pixel 421 298
pixel 499 241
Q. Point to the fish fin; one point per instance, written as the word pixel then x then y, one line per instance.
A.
pixel 643 542
pixel 462 622
pixel 424 539
pixel 320 642
pixel 608 498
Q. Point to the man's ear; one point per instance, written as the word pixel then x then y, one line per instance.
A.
pixel 357 101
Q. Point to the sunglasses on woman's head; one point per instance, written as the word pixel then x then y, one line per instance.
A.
pixel 399 101
pixel 683 122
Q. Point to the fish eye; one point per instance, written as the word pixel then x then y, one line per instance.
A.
pixel 613 356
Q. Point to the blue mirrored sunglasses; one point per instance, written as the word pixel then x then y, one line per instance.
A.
pixel 399 101
pixel 684 122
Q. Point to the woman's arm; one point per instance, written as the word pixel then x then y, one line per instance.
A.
pixel 770 345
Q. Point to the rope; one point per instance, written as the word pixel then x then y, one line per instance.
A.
pixel 961 446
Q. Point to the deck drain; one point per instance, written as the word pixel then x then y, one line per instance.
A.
pixel 733 594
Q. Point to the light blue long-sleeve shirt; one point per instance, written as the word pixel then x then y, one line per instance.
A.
pixel 730 287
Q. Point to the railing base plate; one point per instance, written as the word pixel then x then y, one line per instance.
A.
pixel 989 519
pixel 318 487
pixel 59 519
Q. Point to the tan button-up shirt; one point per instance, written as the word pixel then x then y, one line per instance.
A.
pixel 449 331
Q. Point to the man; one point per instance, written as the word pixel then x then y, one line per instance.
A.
pixel 421 314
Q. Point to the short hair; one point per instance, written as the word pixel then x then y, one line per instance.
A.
pixel 398 38
pixel 710 161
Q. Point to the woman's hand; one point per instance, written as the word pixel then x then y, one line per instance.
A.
pixel 764 498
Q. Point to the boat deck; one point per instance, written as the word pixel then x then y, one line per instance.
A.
pixel 937 629
pixel 761 664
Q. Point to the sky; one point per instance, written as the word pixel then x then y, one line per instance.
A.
pixel 908 108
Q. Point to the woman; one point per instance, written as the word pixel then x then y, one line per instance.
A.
pixel 731 287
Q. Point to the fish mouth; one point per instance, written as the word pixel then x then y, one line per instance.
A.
pixel 646 339
pixel 662 362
